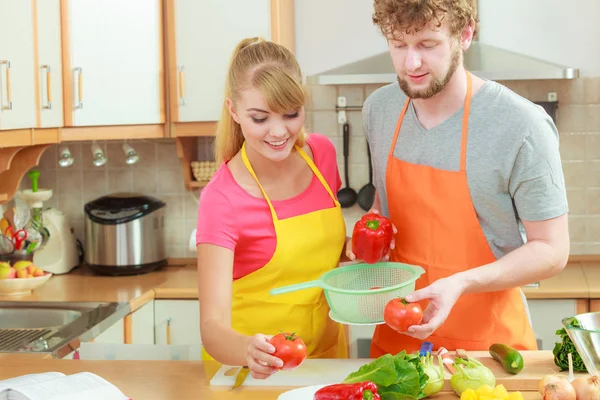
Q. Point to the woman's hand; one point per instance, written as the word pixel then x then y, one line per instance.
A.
pixel 442 295
pixel 260 361
pixel 352 256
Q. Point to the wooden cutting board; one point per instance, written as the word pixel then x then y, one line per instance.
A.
pixel 536 364
pixel 315 372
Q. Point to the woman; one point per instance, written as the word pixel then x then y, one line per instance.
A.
pixel 268 218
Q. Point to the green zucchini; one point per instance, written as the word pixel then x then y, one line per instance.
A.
pixel 510 359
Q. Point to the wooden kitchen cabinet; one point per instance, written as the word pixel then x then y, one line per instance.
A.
pixel 177 322
pixel 205 34
pixel 113 62
pixel 49 64
pixel 547 315
pixel 17 65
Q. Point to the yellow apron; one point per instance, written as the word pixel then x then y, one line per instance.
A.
pixel 307 246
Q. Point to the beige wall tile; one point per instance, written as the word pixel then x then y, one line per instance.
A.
pixel 325 122
pixel 174 209
pixel 575 174
pixel 95 182
pixel 354 94
pixel 578 229
pixel 369 89
pixel 592 119
pixel 571 118
pixel 593 229
pixel 592 146
pixel 359 176
pixel 572 146
pixel 309 124
pixel 120 180
pixel 519 87
pixel 68 182
pixel 166 155
pixel 593 174
pixel 577 199
pixel 174 234
pixel 322 97
pixel 144 180
pixel 49 158
pixel 593 202
pixel 592 90
pixel 170 180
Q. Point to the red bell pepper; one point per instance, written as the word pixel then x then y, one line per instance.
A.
pixel 348 391
pixel 371 238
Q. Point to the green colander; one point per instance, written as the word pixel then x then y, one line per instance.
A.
pixel 349 292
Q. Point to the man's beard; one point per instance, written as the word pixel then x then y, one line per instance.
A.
pixel 437 85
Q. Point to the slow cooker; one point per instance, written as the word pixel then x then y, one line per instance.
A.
pixel 125 234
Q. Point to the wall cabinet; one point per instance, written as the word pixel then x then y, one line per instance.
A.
pixel 114 71
pixel 200 64
pixel 49 68
pixel 17 65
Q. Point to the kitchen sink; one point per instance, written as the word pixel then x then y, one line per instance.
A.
pixel 50 327
pixel 32 318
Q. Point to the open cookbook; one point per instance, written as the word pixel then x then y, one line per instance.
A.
pixel 58 386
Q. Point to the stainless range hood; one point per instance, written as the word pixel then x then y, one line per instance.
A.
pixel 483 60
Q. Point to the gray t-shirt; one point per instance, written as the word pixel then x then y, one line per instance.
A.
pixel 514 169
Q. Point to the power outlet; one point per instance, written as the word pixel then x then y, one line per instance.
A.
pixel 552 96
pixel 341 101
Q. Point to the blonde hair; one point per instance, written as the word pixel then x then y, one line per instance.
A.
pixel 268 67
pixel 395 17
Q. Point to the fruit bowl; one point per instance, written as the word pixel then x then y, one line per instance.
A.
pixel 21 278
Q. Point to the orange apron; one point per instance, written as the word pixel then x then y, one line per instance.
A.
pixel 438 229
pixel 308 245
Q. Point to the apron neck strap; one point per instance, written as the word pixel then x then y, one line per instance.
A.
pixel 306 158
pixel 465 124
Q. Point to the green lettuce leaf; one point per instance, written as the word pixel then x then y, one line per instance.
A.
pixel 382 372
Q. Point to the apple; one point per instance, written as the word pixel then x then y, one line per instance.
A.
pixel 22 264
pixel 22 273
pixel 7 273
pixel 38 272
pixel 31 268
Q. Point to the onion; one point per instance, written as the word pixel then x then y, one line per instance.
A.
pixel 556 387
pixel 587 387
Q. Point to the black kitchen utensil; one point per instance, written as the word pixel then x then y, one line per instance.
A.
pixel 347 195
pixel 366 195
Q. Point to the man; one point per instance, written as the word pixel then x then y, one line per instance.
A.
pixel 470 174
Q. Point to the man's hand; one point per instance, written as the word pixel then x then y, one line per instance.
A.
pixel 442 295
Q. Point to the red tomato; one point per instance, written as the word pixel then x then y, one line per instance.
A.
pixel 290 349
pixel 399 314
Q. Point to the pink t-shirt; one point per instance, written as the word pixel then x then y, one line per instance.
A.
pixel 230 217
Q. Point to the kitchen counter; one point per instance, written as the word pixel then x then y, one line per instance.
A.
pixel 580 279
pixel 182 380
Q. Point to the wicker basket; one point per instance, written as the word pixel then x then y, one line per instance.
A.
pixel 203 170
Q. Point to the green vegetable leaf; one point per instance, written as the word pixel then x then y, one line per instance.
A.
pixel 564 347
pixel 407 378
pixel 396 396
pixel 382 372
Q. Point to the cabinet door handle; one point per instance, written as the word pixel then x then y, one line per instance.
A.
pixel 48 105
pixel 169 331
pixel 181 85
pixel 79 72
pixel 6 63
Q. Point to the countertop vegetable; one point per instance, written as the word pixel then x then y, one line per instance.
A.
pixel 510 359
pixel 348 391
pixel 434 372
pixel 371 238
pixel 470 374
pixel 397 377
pixel 563 348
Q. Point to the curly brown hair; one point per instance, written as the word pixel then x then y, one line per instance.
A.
pixel 395 17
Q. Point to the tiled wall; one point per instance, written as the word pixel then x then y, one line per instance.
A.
pixel 578 121
pixel 158 173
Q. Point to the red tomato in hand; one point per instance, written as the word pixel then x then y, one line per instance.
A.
pixel 399 314
pixel 290 349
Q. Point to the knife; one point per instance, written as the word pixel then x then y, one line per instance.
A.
pixel 241 377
